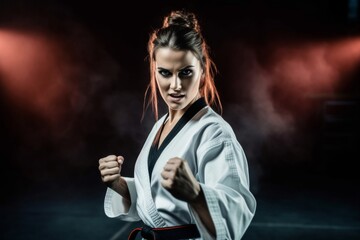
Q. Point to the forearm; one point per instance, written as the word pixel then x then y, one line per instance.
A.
pixel 199 205
pixel 121 188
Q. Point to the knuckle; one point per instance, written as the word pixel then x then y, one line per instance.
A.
pixel 107 178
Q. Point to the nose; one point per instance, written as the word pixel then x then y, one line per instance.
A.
pixel 175 83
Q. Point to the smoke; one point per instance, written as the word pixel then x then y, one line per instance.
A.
pixel 314 67
pixel 67 99
pixel 275 89
pixel 32 74
pixel 253 114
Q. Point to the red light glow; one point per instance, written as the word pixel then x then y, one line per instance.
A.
pixel 33 74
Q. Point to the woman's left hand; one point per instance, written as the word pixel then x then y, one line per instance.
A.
pixel 179 180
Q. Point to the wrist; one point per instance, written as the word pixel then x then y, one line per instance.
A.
pixel 120 186
pixel 199 199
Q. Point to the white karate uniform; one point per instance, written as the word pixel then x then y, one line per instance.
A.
pixel 209 145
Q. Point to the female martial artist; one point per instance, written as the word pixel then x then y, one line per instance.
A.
pixel 191 177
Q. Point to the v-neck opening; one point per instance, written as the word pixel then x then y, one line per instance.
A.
pixel 160 132
pixel 156 150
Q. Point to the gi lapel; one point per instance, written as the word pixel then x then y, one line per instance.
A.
pixel 146 206
pixel 155 152
pixel 146 165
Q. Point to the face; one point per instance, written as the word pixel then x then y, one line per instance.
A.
pixel 178 75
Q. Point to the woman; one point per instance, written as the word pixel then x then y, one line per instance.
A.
pixel 191 176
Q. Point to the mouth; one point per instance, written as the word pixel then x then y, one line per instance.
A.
pixel 176 95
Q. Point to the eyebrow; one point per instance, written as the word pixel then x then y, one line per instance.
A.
pixel 188 66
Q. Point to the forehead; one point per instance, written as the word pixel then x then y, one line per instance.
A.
pixel 169 58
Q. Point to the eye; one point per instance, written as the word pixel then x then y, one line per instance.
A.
pixel 164 73
pixel 186 72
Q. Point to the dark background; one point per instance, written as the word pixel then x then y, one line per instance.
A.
pixel 72 81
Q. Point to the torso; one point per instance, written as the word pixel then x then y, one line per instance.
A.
pixel 155 205
pixel 168 130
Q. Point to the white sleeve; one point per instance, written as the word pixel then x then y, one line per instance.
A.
pixel 223 176
pixel 116 206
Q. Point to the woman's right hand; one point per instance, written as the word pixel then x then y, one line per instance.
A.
pixel 110 168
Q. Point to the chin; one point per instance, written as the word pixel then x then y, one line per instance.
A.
pixel 176 106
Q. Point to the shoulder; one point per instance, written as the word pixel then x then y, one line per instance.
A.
pixel 217 138
pixel 210 126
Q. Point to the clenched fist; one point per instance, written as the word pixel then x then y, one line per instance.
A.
pixel 110 168
pixel 179 180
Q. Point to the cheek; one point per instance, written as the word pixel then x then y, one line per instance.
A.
pixel 162 83
pixel 195 83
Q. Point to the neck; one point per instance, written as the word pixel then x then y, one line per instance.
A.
pixel 175 115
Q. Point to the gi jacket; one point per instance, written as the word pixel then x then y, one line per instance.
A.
pixel 207 142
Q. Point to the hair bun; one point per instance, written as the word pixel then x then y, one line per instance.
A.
pixel 182 18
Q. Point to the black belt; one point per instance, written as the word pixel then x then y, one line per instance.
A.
pixel 166 233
